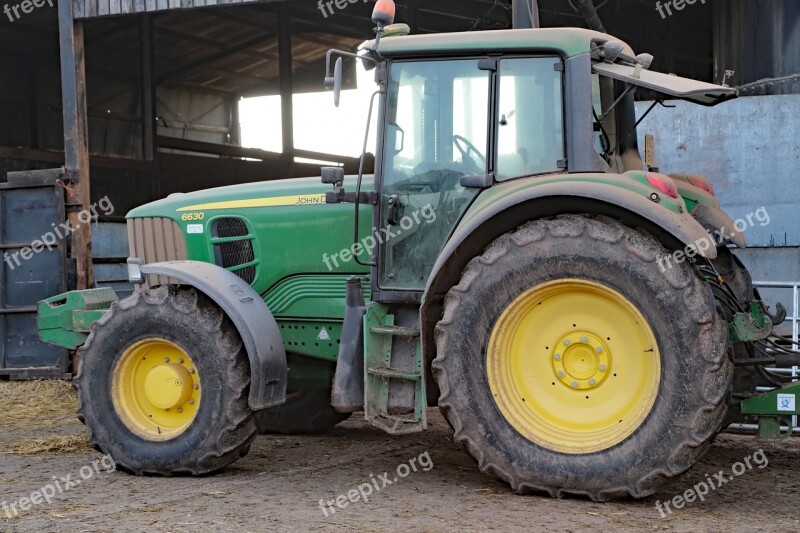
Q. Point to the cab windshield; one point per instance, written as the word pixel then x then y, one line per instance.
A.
pixel 490 120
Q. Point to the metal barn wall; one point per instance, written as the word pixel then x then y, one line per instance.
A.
pixel 750 149
pixel 195 115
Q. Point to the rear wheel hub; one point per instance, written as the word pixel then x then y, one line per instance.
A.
pixel 573 366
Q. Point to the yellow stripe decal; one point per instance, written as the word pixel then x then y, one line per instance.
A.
pixel 280 201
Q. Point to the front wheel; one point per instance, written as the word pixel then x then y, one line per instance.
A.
pixel 570 363
pixel 163 383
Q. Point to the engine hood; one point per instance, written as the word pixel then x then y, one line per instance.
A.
pixel 281 193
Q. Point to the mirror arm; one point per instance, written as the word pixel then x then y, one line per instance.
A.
pixel 329 57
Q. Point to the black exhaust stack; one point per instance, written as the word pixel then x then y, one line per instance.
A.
pixel 589 12
pixel 525 14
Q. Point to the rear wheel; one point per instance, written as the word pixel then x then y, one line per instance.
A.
pixel 163 383
pixel 566 353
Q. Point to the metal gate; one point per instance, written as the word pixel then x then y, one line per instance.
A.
pixel 30 211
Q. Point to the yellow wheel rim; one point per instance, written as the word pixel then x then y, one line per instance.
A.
pixel 573 366
pixel 156 389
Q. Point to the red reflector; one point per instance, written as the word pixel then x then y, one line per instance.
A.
pixel 702 184
pixel 663 184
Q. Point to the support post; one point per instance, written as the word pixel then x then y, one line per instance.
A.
pixel 525 14
pixel 148 101
pixel 286 77
pixel 76 140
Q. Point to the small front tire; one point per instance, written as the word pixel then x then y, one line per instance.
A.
pixel 163 383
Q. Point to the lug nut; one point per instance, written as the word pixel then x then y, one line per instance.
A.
pixel 561 373
pixel 584 340
pixel 592 382
pixel 574 384
pixel 191 401
pixel 566 342
pixel 180 361
pixel 192 371
pixel 602 368
pixel 180 409
pixel 197 387
pixel 557 356
pixel 599 349
pixel 166 359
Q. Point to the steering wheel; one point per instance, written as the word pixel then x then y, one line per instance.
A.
pixel 468 147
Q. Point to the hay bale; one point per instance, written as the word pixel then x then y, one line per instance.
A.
pixel 58 444
pixel 35 404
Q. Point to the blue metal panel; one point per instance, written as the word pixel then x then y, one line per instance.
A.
pixel 29 212
pixel 749 148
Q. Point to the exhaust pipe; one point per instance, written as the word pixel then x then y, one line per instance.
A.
pixel 525 14
pixel 589 12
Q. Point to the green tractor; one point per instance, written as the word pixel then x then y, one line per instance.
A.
pixel 513 260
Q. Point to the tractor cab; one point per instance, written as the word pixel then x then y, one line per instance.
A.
pixel 462 113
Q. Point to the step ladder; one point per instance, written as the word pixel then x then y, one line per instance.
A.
pixel 391 371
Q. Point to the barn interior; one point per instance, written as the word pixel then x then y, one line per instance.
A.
pixel 136 100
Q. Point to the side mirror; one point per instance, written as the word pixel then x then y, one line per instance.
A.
pixel 334 82
pixel 333 175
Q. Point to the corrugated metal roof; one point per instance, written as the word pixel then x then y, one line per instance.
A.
pixel 83 9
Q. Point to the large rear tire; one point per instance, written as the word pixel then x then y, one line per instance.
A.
pixel 570 363
pixel 163 383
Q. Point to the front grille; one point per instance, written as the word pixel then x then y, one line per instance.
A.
pixel 232 254
pixel 229 227
pixel 156 240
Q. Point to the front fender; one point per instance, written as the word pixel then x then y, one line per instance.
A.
pixel 251 317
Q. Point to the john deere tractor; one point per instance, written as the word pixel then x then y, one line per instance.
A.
pixel 512 260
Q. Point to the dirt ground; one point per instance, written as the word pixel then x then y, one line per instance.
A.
pixel 279 485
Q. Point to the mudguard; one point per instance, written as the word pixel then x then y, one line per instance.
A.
pixel 252 318
pixel 719 225
pixel 565 197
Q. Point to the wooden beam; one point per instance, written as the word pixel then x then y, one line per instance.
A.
pixel 57 157
pixel 226 150
pixel 76 139
pixel 286 77
pixel 147 54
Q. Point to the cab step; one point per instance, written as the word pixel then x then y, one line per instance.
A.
pixel 394 384
pixel 396 331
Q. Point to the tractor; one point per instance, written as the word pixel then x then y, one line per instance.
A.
pixel 505 262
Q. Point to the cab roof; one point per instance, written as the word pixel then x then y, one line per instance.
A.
pixel 566 41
